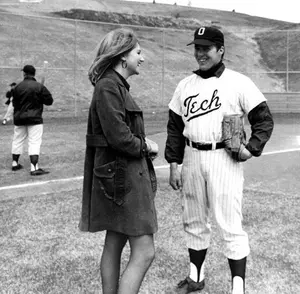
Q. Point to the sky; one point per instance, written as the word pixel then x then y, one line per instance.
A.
pixel 285 10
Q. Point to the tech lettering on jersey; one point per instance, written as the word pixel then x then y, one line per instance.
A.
pixel 195 109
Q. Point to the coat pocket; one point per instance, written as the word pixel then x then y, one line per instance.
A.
pixel 112 180
pixel 105 178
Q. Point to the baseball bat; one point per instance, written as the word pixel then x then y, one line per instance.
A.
pixel 44 72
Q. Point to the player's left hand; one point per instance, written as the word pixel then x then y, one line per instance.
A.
pixel 244 153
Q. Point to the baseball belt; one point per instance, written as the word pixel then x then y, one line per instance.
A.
pixel 205 146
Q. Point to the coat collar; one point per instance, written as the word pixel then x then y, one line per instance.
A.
pixel 110 73
pixel 30 78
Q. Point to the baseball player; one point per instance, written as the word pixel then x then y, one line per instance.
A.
pixel 10 109
pixel 211 181
pixel 29 98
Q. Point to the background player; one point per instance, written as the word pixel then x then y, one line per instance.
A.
pixel 10 109
pixel 29 98
pixel 211 181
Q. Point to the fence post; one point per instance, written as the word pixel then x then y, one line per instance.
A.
pixel 287 61
pixel 74 69
pixel 22 40
pixel 163 69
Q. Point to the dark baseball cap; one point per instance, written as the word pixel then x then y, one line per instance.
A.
pixel 208 36
pixel 29 69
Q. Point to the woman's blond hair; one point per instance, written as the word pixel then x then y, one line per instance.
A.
pixel 110 49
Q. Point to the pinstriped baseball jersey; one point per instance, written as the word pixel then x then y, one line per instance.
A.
pixel 202 103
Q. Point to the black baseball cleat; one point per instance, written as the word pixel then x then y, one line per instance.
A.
pixel 189 286
pixel 38 172
pixel 17 167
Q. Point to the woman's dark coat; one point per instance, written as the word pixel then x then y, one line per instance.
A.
pixel 119 180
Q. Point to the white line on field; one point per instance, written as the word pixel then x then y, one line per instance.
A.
pixel 281 151
pixel 81 177
pixel 40 183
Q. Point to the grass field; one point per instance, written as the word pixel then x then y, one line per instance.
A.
pixel 42 250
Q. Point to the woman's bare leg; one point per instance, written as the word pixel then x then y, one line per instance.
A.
pixel 141 256
pixel 110 261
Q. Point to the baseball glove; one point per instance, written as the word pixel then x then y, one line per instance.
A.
pixel 234 137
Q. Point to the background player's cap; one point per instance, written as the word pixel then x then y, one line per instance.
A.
pixel 29 69
pixel 208 36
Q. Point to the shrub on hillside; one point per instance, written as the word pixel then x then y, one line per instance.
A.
pixel 130 19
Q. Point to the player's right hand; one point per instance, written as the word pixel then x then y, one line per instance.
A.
pixel 175 178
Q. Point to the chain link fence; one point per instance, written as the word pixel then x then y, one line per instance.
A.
pixel 270 58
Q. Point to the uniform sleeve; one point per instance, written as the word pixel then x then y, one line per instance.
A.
pixel 175 104
pixel 8 94
pixel 175 143
pixel 250 95
pixel 262 124
pixel 110 107
pixel 46 96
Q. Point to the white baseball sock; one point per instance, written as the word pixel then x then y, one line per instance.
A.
pixel 237 285
pixel 33 167
pixel 194 272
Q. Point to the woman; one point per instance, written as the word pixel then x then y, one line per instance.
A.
pixel 119 179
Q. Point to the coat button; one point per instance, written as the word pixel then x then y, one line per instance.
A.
pixel 141 173
pixel 109 170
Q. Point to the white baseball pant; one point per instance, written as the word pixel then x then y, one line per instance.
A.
pixel 9 112
pixel 33 133
pixel 213 184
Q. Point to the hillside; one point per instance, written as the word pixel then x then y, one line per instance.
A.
pixel 228 19
pixel 69 47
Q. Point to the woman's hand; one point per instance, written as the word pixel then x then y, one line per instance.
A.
pixel 152 148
